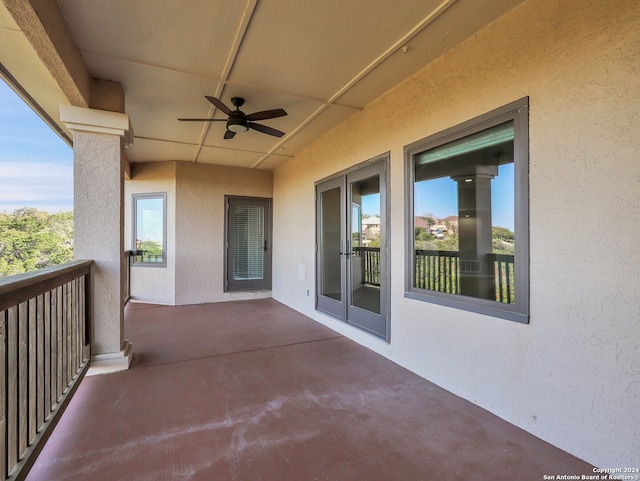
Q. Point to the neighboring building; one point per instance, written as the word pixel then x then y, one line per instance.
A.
pixel 370 229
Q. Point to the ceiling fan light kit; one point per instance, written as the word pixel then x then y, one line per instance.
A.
pixel 238 121
pixel 236 125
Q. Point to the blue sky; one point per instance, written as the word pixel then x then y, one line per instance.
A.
pixel 440 198
pixel 36 166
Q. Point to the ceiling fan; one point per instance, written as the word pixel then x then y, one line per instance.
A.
pixel 238 121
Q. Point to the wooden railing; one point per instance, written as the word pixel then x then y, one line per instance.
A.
pixel 44 353
pixel 440 271
pixel 370 264
pixel 505 278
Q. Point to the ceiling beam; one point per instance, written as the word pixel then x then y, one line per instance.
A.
pixel 45 28
pixel 231 58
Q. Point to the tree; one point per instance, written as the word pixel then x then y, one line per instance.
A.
pixel 31 239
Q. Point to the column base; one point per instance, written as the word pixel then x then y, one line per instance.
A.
pixel 112 361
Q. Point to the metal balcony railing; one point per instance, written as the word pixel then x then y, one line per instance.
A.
pixel 44 353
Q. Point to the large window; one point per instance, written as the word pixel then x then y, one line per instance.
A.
pixel 467 235
pixel 149 230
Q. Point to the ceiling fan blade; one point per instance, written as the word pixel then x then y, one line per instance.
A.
pixel 203 120
pixel 218 104
pixel 267 114
pixel 229 135
pixel 264 129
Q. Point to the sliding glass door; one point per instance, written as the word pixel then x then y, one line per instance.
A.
pixel 351 248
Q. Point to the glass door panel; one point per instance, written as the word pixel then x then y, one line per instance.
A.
pixel 365 244
pixel 367 276
pixel 330 216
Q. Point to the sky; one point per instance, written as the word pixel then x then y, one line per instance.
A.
pixel 440 198
pixel 36 166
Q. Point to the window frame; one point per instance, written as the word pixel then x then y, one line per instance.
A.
pixel 134 230
pixel 518 112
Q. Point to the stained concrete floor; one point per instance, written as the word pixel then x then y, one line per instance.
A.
pixel 253 390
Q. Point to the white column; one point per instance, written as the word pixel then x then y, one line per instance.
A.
pixel 98 140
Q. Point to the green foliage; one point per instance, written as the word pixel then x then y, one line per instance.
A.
pixel 502 240
pixel 426 241
pixel 150 248
pixel 31 239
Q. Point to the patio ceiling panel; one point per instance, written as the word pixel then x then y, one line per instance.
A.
pixel 230 157
pixel 151 150
pixel 156 98
pixel 321 123
pixel 316 47
pixel 191 37
pixel 440 33
pixel 320 60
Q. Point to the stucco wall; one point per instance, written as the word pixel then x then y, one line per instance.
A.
pixel 571 376
pixel 153 284
pixel 98 232
pixel 200 191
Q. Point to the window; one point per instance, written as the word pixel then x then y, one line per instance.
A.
pixel 248 249
pixel 467 234
pixel 149 230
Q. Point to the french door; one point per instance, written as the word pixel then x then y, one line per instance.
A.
pixel 351 259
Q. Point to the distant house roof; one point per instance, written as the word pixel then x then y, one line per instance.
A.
pixel 421 222
pixel 371 221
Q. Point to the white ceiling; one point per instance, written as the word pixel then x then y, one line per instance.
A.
pixel 320 60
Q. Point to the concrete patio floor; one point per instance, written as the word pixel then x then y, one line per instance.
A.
pixel 252 390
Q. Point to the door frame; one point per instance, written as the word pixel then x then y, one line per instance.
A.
pixel 340 178
pixel 249 285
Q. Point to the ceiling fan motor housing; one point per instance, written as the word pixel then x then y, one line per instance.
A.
pixel 237 122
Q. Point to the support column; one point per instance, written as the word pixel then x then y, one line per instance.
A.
pixel 477 277
pixel 98 140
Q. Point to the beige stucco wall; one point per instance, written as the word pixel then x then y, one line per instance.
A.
pixel 195 229
pixel 571 376
pixel 200 191
pixel 153 284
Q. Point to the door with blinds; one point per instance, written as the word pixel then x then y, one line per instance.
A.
pixel 248 243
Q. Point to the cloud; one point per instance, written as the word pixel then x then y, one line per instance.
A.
pixel 36 166
pixel 44 185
